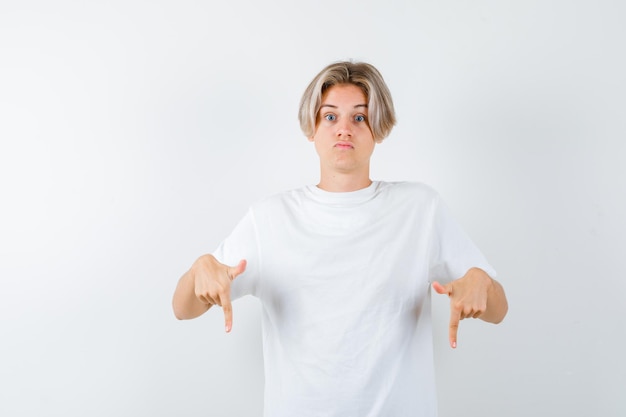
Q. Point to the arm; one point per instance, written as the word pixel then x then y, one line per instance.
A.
pixel 474 295
pixel 206 283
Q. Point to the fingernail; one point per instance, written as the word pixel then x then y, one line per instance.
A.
pixel 453 345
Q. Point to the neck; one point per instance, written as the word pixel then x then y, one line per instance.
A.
pixel 344 183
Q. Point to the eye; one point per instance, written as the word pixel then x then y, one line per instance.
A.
pixel 330 117
pixel 359 118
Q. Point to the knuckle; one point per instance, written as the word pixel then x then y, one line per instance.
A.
pixel 203 295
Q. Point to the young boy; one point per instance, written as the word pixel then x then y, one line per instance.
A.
pixel 343 269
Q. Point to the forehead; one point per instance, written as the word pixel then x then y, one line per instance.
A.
pixel 347 94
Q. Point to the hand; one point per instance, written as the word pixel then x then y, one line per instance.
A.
pixel 468 298
pixel 212 281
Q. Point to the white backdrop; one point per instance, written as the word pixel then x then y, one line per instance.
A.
pixel 134 134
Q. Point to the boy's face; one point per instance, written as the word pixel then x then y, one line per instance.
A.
pixel 343 139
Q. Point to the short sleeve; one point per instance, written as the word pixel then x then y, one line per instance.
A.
pixel 452 252
pixel 242 243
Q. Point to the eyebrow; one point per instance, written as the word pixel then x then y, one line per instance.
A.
pixel 334 107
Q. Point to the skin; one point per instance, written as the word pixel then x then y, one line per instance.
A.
pixel 343 139
pixel 205 284
pixel 344 143
pixel 474 295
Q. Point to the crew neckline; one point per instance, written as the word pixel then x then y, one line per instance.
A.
pixel 344 197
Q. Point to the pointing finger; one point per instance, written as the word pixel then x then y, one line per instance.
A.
pixel 455 318
pixel 228 310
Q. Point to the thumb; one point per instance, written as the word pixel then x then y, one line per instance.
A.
pixel 441 289
pixel 235 271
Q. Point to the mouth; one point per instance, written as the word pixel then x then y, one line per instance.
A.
pixel 344 145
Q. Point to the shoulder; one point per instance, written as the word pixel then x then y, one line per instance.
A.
pixel 280 199
pixel 417 192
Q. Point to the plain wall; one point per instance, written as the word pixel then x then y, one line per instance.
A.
pixel 135 134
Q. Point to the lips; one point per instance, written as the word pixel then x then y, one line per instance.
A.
pixel 344 145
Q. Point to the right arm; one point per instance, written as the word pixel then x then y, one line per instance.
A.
pixel 205 284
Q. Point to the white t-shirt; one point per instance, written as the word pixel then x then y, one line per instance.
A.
pixel 344 283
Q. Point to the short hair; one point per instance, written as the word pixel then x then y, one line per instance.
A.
pixel 381 114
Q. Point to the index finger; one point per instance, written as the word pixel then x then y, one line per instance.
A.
pixel 455 318
pixel 228 310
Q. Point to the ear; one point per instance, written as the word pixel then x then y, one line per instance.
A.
pixel 311 138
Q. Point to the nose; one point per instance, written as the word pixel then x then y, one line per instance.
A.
pixel 344 129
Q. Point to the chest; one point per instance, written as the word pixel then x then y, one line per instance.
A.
pixel 352 262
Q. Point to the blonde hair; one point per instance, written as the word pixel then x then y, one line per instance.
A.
pixel 381 114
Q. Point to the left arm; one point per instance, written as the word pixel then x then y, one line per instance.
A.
pixel 474 295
